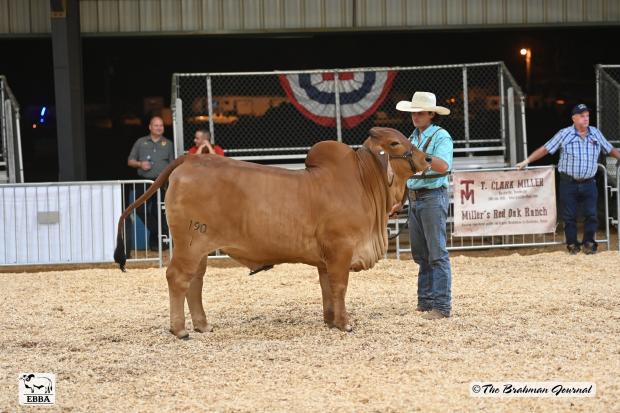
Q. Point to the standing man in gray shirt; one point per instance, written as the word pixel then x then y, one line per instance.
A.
pixel 151 154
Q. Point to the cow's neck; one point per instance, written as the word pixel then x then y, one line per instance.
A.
pixel 376 194
pixel 373 176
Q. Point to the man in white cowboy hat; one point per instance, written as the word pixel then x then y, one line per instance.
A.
pixel 428 206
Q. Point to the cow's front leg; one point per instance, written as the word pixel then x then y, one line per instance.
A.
pixel 328 305
pixel 178 283
pixel 194 300
pixel 338 277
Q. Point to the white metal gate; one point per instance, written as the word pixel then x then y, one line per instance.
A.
pixel 72 222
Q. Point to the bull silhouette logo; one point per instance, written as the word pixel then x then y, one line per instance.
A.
pixel 37 388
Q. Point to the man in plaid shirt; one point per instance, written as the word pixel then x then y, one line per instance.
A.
pixel 580 146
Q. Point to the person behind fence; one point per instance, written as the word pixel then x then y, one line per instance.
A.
pixel 150 155
pixel 428 207
pixel 580 146
pixel 202 144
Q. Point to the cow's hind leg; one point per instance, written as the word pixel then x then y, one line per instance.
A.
pixel 194 299
pixel 328 305
pixel 179 275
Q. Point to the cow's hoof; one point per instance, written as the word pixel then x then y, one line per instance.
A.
pixel 183 334
pixel 342 327
pixel 328 318
pixel 207 328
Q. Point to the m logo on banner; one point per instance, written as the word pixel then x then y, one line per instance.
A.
pixel 467 193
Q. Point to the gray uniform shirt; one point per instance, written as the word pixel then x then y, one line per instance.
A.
pixel 160 153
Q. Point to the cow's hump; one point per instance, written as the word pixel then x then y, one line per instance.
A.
pixel 327 153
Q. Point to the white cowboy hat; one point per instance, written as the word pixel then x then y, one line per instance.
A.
pixel 422 102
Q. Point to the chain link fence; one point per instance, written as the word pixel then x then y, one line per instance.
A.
pixel 279 115
pixel 608 109
pixel 11 166
pixel 608 101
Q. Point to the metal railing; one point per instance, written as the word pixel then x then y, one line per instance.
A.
pixel 260 116
pixel 501 241
pixel 11 164
pixel 76 223
pixel 72 223
pixel 616 220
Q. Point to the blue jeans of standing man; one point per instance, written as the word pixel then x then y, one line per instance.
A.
pixel 573 193
pixel 427 233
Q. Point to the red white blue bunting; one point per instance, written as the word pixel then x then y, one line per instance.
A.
pixel 361 93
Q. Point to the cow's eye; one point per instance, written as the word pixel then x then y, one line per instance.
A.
pixel 393 144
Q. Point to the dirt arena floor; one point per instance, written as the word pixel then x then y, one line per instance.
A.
pixel 522 317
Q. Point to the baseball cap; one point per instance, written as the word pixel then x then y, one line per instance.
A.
pixel 580 108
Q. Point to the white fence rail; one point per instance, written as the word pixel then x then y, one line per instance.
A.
pixel 71 223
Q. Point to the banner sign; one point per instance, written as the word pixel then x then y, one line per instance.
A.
pixel 504 203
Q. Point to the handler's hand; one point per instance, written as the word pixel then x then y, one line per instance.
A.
pixel 145 165
pixel 395 209
pixel 522 164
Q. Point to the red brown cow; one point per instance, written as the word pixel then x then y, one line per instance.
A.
pixel 332 215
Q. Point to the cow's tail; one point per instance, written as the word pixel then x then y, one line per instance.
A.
pixel 119 252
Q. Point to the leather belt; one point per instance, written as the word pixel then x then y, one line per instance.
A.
pixel 425 190
pixel 415 193
pixel 569 178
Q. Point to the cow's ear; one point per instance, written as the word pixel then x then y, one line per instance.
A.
pixel 384 159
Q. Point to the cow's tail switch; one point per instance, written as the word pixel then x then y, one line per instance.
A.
pixel 119 253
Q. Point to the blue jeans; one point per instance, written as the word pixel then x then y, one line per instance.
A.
pixel 427 233
pixel 572 194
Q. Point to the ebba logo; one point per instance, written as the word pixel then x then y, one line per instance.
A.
pixel 37 389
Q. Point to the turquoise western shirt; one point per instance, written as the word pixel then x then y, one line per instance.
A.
pixel 441 146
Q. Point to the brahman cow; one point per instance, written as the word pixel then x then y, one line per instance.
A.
pixel 332 215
